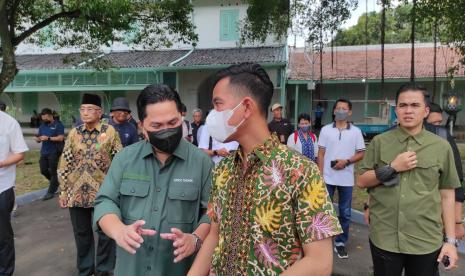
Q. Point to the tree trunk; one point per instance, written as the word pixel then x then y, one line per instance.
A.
pixel 9 69
pixel 412 38
pixel 435 39
pixel 383 32
pixel 321 59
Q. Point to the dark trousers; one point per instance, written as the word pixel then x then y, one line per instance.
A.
pixel 81 219
pixel 345 204
pixel 387 263
pixel 48 167
pixel 7 245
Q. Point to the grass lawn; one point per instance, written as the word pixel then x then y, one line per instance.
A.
pixel 28 177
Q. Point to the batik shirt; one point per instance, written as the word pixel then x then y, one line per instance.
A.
pixel 267 211
pixel 85 161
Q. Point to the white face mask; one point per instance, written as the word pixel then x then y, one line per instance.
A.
pixel 217 124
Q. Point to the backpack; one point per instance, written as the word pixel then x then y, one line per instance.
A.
pixel 296 136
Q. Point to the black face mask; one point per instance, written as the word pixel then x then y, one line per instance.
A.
pixel 166 140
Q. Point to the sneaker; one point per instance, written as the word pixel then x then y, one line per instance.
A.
pixel 341 252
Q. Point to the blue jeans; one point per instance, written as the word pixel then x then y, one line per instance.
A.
pixel 345 204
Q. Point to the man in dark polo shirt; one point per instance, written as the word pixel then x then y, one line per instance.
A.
pixel 196 124
pixel 120 121
pixel 279 125
pixel 51 134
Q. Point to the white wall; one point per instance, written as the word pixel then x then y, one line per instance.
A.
pixel 206 17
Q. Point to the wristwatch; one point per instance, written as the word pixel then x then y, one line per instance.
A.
pixel 49 138
pixel 198 242
pixel 215 152
pixel 453 241
pixel 365 206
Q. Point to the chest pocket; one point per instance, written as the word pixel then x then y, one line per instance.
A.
pixel 429 170
pixel 182 204
pixel 133 198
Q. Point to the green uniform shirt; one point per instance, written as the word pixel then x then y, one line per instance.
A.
pixel 407 218
pixel 176 195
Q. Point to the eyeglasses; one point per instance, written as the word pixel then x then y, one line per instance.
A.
pixel 89 109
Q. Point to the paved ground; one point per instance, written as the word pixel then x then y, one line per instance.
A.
pixel 45 245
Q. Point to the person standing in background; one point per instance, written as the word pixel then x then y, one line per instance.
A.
pixel 303 140
pixel 86 158
pixel 340 145
pixel 279 125
pixel 120 121
pixel 51 134
pixel 196 124
pixel 12 149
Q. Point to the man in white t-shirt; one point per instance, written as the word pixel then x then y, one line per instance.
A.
pixel 341 145
pixel 12 148
pixel 213 148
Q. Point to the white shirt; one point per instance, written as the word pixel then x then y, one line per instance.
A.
pixel 340 144
pixel 204 142
pixel 297 145
pixel 11 142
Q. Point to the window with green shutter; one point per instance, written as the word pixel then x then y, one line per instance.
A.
pixel 228 25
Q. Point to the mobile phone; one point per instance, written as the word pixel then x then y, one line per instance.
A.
pixel 445 261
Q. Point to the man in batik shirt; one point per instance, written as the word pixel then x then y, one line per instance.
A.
pixel 84 163
pixel 270 211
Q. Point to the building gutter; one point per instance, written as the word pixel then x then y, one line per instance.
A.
pixel 173 63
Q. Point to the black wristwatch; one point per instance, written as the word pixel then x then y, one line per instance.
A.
pixel 198 242
pixel 215 152
pixel 452 241
pixel 49 138
pixel 365 206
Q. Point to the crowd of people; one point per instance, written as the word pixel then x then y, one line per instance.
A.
pixel 236 195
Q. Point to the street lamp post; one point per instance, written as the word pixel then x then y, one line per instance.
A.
pixel 452 104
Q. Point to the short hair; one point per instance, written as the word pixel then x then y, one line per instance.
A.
pixel 304 116
pixel 183 108
pixel 413 87
pixel 434 107
pixel 156 93
pixel 349 103
pixel 46 111
pixel 197 110
pixel 251 78
pixel 2 106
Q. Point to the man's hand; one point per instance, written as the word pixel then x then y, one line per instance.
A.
pixel 62 202
pixel 183 243
pixel 130 236
pixel 451 251
pixel 222 152
pixel 405 161
pixel 459 231
pixel 43 138
pixel 341 164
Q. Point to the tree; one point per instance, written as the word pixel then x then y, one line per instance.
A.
pixel 90 25
pixel 398 28
pixel 313 19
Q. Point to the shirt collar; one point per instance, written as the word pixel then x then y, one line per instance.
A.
pixel 181 151
pixel 402 135
pixel 347 127
pixel 98 127
pixel 262 152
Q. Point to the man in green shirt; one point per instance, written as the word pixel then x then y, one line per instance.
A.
pixel 411 176
pixel 158 185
